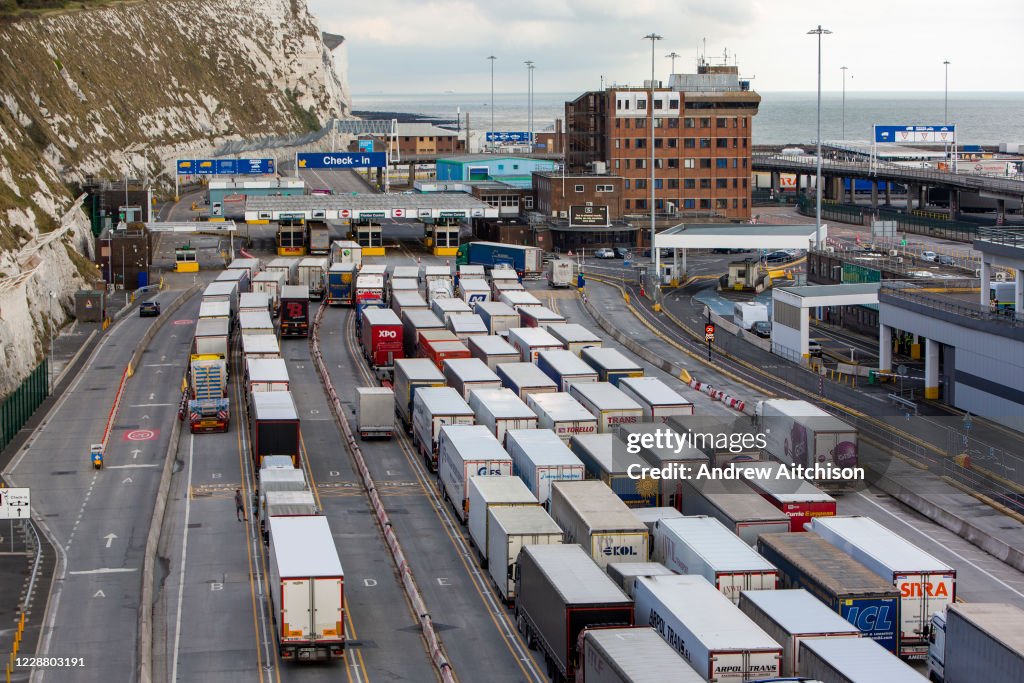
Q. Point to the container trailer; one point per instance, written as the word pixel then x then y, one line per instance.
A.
pixel 976 641
pixel 610 364
pixel 274 426
pixel 467 374
pixel 464 451
pixel 625 574
pixel 631 655
pixel 492 350
pixel 659 401
pixel 509 528
pixel 433 408
pixel 266 374
pixel 606 459
pixel 294 311
pixel 565 367
pixel 607 403
pixel 341 284
pixel 524 379
pixel 574 337
pixel 499 317
pixel 742 511
pixel 539 316
pixel 375 412
pixel 852 660
pixel 410 375
pixel 562 414
pixel 530 341
pixel 501 410
pixel 487 493
pixel 539 457
pixel 593 516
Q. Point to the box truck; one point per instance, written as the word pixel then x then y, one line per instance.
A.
pixel 381 337
pixel 745 314
pixel 266 374
pixel 405 273
pixel 274 426
pixel 307 588
pixel 289 267
pixel 240 278
pixel 501 410
pixel 565 367
pixel 574 337
pixel 464 451
pixel 498 317
pixel 525 260
pixel 799 433
pixel 476 272
pixel 926 585
pixel 499 287
pixel 216 309
pixel 518 298
pixel 270 283
pixel 375 412
pixel 413 322
pixel 254 302
pixel 260 346
pixel 252 265
pixel 562 414
pixel 742 511
pixel 801 500
pixel 466 325
pixel 474 290
pixel 606 459
pixel 444 308
pixel 539 316
pixel 710 632
pixel 509 528
pixel 792 616
pixel 433 408
pixel 492 350
pixel 487 493
pixel 625 574
pixel 607 403
pixel 976 641
pixel 211 339
pixel 319 238
pixel 440 351
pixel 559 593
pixel 631 655
pixel 852 660
pixel 346 251
pixel 466 375
pixel 255 322
pixel 530 341
pixel 658 400
pixel 593 516
pixel 524 379
pixel 844 585
pixel 702 545
pixel 539 457
pixel 412 374
pixel 294 311
pixel 341 284
pixel 610 364
pixel 407 301
pixel 312 272
pixel 561 273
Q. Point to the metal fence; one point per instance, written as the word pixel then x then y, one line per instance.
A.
pixel 959 231
pixel 18 407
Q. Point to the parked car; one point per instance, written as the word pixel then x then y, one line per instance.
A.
pixel 762 328
pixel 149 309
pixel 944 259
pixel 621 252
pixel 928 255
pixel 778 256
pixel 814 348
pixel 604 253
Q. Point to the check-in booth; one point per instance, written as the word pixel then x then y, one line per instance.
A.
pixel 369 235
pixel 446 237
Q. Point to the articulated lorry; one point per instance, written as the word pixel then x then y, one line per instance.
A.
pixel 976 641
pixel 208 407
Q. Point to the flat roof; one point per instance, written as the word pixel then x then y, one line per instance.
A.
pixel 361 202
pixel 466 158
pixel 809 296
pixel 738 236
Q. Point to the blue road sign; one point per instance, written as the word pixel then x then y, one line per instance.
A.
pixel 342 159
pixel 507 136
pixel 366 145
pixel 909 134
pixel 225 166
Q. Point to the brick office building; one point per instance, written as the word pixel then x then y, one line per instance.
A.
pixel 702 142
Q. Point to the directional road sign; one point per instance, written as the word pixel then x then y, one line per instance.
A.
pixel 225 166
pixel 342 159
pixel 908 134
pixel 14 503
pixel 507 136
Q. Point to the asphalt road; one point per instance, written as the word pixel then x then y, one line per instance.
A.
pixel 99 519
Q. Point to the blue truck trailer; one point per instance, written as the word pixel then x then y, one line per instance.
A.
pixel 526 260
pixel 856 593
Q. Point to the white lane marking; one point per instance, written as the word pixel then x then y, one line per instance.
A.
pixel 151 405
pixel 184 555
pixel 106 570
pixel 129 467
pixel 951 552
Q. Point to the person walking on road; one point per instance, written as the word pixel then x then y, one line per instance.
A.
pixel 239 506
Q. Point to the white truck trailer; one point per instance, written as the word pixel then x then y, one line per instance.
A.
pixel 593 516
pixel 464 451
pixel 487 493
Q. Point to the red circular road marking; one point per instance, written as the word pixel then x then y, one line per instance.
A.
pixel 184 321
pixel 141 435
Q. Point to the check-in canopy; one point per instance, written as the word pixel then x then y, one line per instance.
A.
pixel 790 324
pixel 737 236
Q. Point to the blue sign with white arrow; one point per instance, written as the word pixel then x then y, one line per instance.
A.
pixel 507 136
pixel 225 166
pixel 342 159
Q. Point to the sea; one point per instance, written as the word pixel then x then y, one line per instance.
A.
pixel 982 118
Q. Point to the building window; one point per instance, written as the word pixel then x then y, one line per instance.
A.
pixel 744 183
pixel 640 163
pixel 744 162
pixel 606 188
pixel 627 203
pixel 689 143
pixel 673 104
pixel 617 122
pixel 722 183
pixel 579 188
pixel 626 125
pixel 721 203
pixel 689 183
pixel 735 203
pixel 659 143
pixel 658 122
pixel 721 163
pixel 722 143
pixel 705 163
pixel 721 122
pixel 657 103
pixel 640 123
pixel 735 183
pixel 689 163
pixel 618 142
pixel 641 104
pixel 625 104
pixel 673 122
pixel 705 203
pixel 658 184
pixel 688 123
pixel 673 163
pixel 673 143
pixel 625 143
pixel 640 184
pixel 705 123
pixel 626 183
pixel 689 204
pixel 705 183
pixel 705 143
pixel 744 142
pixel 744 202
pixel 618 104
pixel 743 125
pixel 673 183
pixel 616 161
pixel 501 167
pixel 627 164
pixel 659 163
pixel 641 203
pixel 528 202
pixel 515 167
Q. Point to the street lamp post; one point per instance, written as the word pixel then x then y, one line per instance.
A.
pixel 844 101
pixel 529 100
pixel 945 99
pixel 817 189
pixel 492 58
pixel 673 56
pixel 653 37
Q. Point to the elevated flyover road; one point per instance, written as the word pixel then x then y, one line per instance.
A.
pixel 99 519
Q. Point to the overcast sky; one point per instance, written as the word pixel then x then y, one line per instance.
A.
pixel 411 46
